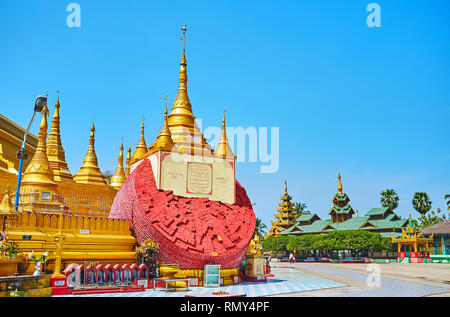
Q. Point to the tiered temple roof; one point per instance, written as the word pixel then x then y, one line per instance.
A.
pixel 382 220
pixel 286 216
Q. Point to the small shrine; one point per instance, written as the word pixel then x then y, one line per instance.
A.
pixel 254 262
pixel 413 246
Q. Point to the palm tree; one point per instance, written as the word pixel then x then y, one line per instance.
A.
pixel 389 198
pixel 300 209
pixel 448 201
pixel 259 228
pixel 421 202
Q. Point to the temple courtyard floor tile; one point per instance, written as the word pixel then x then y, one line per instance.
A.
pixel 395 279
pixel 286 281
pixel 330 280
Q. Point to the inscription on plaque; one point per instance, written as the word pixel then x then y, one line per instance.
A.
pixel 199 178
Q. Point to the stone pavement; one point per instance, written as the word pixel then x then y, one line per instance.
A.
pixel 406 280
pixel 286 281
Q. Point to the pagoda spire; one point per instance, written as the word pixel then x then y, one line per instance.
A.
pixel 89 172
pixel 119 176
pixel 223 148
pixel 286 216
pixel 39 174
pixel 181 120
pixel 341 210
pixel 141 147
pixel 164 140
pixel 339 187
pixel 55 151
pixel 127 164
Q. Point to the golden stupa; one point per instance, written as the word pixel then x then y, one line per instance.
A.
pixel 141 147
pixel 39 190
pixel 55 152
pixel 164 140
pixel 127 164
pixel 90 173
pixel 223 149
pixel 181 121
pixel 119 176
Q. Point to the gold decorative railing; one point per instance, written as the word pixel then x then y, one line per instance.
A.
pixel 32 221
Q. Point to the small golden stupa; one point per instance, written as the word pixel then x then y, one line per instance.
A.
pixel 141 147
pixel 164 140
pixel 90 173
pixel 127 164
pixel 119 176
pixel 223 149
pixel 55 152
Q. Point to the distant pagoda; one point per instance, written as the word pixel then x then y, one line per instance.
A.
pixel 286 216
pixel 341 210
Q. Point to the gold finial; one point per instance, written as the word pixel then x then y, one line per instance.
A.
pixel 183 29
pixel 410 215
pixel 339 187
pixel 46 95
pixel 357 213
pixel 285 186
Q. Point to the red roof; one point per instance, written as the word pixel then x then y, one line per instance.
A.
pixel 190 231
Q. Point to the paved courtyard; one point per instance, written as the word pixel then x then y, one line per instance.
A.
pixel 331 280
pixel 286 281
pixel 396 279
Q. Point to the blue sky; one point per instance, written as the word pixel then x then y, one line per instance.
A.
pixel 370 103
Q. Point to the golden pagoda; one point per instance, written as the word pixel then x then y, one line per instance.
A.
pixel 119 176
pixel 184 131
pixel 141 147
pixel 55 151
pixel 127 164
pixel 286 216
pixel 90 173
pixel 6 210
pixel 223 149
pixel 39 190
pixel 164 140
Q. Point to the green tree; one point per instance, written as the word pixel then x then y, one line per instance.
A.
pixel 107 174
pixel 260 228
pixel 448 201
pixel 301 209
pixel 421 202
pixel 389 198
pixel 431 218
pixel 278 243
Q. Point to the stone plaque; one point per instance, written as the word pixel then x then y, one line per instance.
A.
pixel 199 178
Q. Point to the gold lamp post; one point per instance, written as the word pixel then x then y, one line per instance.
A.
pixel 59 238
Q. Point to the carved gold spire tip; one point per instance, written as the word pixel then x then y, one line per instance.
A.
pixel 339 187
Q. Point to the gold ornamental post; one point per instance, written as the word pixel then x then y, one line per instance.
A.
pixel 59 238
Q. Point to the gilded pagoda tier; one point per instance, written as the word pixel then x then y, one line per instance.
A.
pixel 286 216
